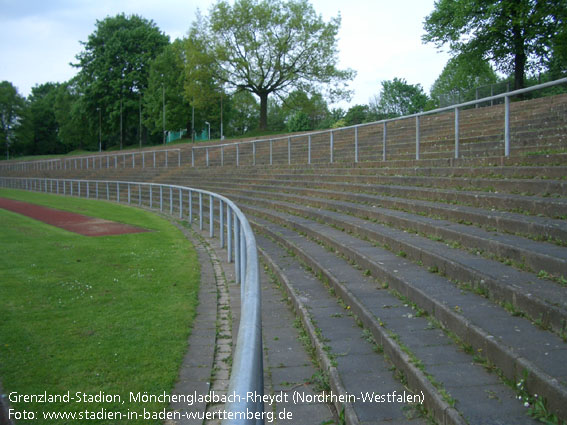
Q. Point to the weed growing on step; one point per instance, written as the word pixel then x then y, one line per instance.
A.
pixel 536 405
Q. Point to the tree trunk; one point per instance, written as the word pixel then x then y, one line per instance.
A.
pixel 519 54
pixel 263 111
pixel 519 69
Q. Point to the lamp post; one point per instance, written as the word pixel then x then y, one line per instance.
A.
pixel 206 122
pixel 140 105
pixel 99 129
pixel 163 98
pixel 121 136
pixel 221 129
pixel 193 124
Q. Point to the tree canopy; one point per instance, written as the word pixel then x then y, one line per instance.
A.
pixel 12 110
pixel 272 47
pixel 397 98
pixel 114 69
pixel 516 35
pixel 460 76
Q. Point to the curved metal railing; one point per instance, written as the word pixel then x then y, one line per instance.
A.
pixel 246 381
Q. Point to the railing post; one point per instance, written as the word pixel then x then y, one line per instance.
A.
pixel 221 220
pixel 207 152
pixel 165 158
pixel 211 217
pixel 289 151
pixel 170 200
pixel 253 153
pixel 236 249
pixel 237 154
pixel 456 133
pixel 107 191
pixel 222 156
pixel 355 144
pixel 180 204
pixel 200 211
pixel 96 188
pixel 271 162
pixel 331 143
pixel 507 126
pixel 309 149
pixel 154 152
pixel 140 195
pixel 133 161
pixel 151 201
pixel 161 198
pixel 417 137
pixel 143 160
pixel 229 233
pixel 88 194
pixel 242 262
pixel 129 194
pixel 192 157
pixel 190 207
pixel 384 136
pixel 179 157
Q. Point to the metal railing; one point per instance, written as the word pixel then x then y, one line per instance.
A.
pixel 384 123
pixel 96 161
pixel 100 161
pixel 235 234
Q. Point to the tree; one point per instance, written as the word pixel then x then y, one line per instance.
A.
pixel 304 112
pixel 273 47
pixel 557 62
pixel 203 89
pixel 242 113
pixel 167 80
pixel 43 121
pixel 114 70
pixel 357 114
pixel 12 112
pixel 461 75
pixel 399 98
pixel 516 35
pixel 76 129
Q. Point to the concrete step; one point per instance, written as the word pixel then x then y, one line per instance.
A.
pixel 334 334
pixel 457 389
pixel 538 228
pixel 510 343
pixel 533 205
pixel 526 253
pixel 465 266
pixel 495 172
pixel 547 187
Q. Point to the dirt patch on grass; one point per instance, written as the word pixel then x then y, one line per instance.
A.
pixel 77 223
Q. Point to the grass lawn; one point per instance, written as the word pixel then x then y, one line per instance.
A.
pixel 91 314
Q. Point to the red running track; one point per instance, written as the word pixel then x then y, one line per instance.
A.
pixel 77 223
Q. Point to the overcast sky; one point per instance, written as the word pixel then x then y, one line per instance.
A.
pixel 380 39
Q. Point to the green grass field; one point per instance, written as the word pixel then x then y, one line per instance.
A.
pixel 91 314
